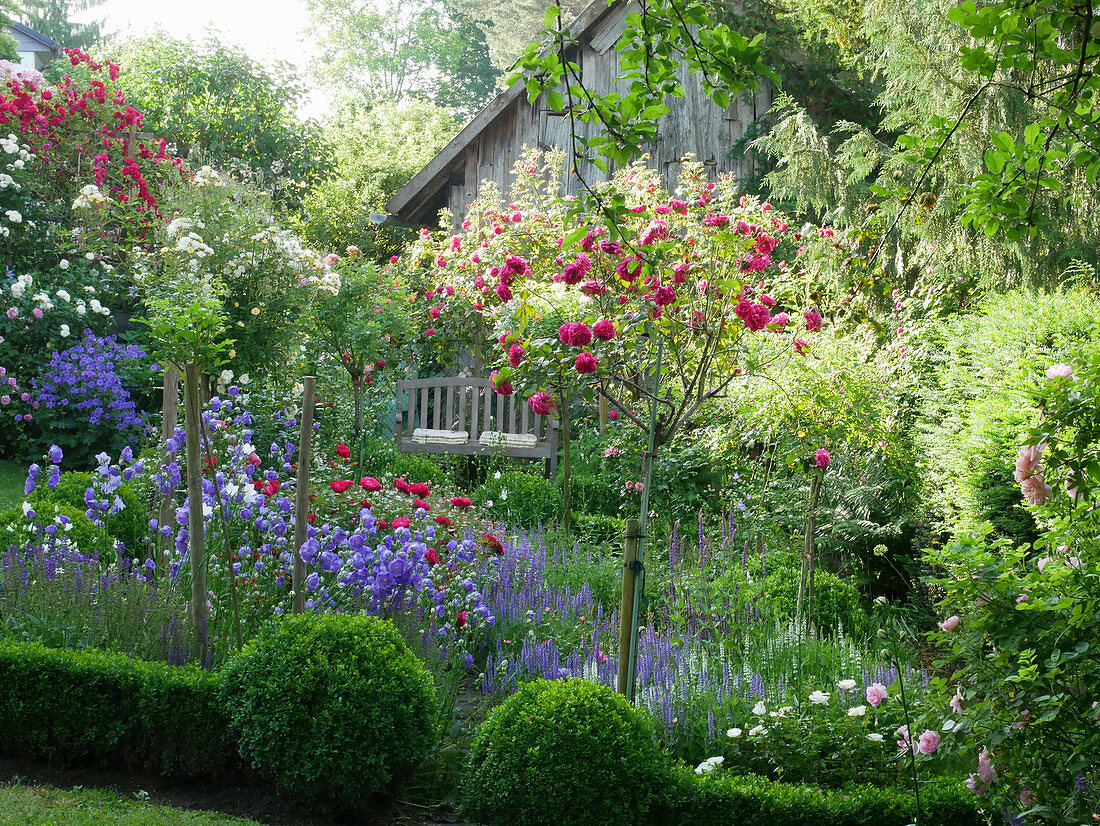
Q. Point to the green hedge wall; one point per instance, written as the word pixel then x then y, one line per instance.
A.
pixel 97 707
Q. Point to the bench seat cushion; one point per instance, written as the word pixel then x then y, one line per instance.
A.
pixel 494 439
pixel 424 436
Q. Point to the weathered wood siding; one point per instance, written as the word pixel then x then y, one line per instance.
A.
pixel 694 125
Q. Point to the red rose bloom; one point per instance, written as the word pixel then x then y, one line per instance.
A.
pixel 370 483
pixel 343 451
pixel 420 503
pixel 604 330
pixel 402 485
pixel 492 543
pixel 460 621
pixel 340 485
pixel 420 489
pixel 586 363
pixel 432 556
pixel 461 502
pixel 402 522
pixel 443 520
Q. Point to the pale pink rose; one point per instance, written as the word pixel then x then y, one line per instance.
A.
pixel 1027 461
pixel 978 788
pixel 1028 797
pixel 876 693
pixel 1035 490
pixel 1042 563
pixel 986 772
pixel 950 624
pixel 928 742
pixel 956 701
pixel 1059 371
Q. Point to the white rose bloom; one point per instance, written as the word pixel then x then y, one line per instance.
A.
pixel 733 733
pixel 63 263
pixel 64 295
pixel 757 730
pixel 857 711
pixel 64 331
pixel 846 685
pixel 759 709
pixel 90 256
pixel 874 737
pixel 819 698
pixel 14 216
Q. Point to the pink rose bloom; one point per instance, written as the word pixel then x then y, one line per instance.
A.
pixel 758 318
pixel 876 693
pixel 581 335
pixel 779 321
pixel 586 363
pixel 1027 461
pixel 37 312
pixel 503 292
pixel 950 624
pixel 800 346
pixel 903 734
pixel 540 403
pixel 604 330
pixel 501 385
pixel 515 355
pixel 928 742
pixel 1035 490
pixel 822 458
pixel 813 320
pixel 978 788
pixel 12 312
pixel 1028 797
pixel 1059 371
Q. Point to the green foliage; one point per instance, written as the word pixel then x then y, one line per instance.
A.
pixel 978 394
pixel 521 498
pixel 16 529
pixel 220 107
pixel 564 752
pixel 993 173
pixel 416 467
pixel 331 707
pixel 375 151
pixel 129 526
pixel 385 50
pixel 691 800
pixel 598 530
pixel 836 601
pixel 1024 654
pixel 105 708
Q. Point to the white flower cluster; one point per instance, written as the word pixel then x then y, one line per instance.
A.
pixel 89 198
pixel 208 176
pixel 709 765
pixel 7 181
pixel 20 284
pixel 12 146
pixel 182 224
pixel 192 244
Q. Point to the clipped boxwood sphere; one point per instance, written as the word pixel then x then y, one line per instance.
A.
pixel 332 707
pixel 564 752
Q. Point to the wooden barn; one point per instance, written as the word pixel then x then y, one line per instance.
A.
pixel 487 148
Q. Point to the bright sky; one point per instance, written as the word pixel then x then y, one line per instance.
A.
pixel 266 29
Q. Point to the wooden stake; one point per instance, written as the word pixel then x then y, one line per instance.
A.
pixel 626 606
pixel 192 414
pixel 168 420
pixel 301 492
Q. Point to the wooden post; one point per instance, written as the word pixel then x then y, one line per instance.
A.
pixel 301 492
pixel 806 580
pixel 168 421
pixel 605 413
pixel 192 414
pixel 626 606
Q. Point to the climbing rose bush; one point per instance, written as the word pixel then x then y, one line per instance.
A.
pixel 1023 703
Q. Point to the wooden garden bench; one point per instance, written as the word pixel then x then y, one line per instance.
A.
pixel 464 416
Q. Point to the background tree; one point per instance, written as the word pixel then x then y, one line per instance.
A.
pixel 212 101
pixel 985 159
pixel 53 18
pixel 388 50
pixel 375 151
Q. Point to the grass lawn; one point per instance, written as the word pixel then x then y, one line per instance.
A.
pixel 93 807
pixel 12 477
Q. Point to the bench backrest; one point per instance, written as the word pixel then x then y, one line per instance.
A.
pixel 466 404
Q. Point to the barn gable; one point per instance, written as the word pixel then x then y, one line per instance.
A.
pixel 488 147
